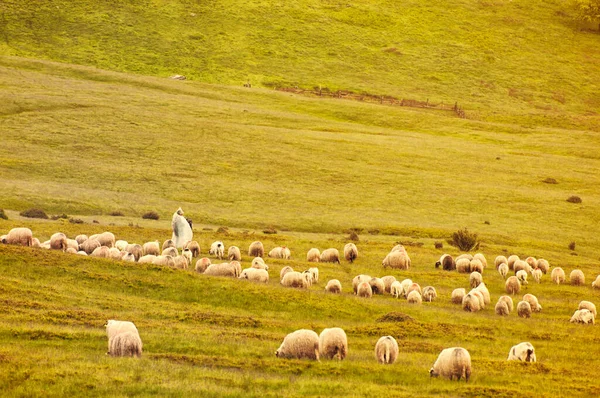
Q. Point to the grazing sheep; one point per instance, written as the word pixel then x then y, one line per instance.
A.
pixel 81 238
pixel 202 264
pixel 350 252
pixel 414 287
pixel 128 257
pixel 465 255
pixel 35 242
pixel 500 260
pixel 223 269
pixel 333 342
pixel 584 316
pixel 558 275
pixel 521 265
pixel 512 285
pixel 414 297
pixel 476 265
pixel 114 327
pixel 105 238
pixel 181 262
pixel 537 275
pixel 256 275
pixel 58 241
pixel 531 261
pixel 194 247
pixel 358 279
pixel 596 283
pixel 164 261
pixel 387 282
pixel 70 250
pixel 452 362
pixel 543 265
pixel 275 252
pixel 398 248
pixel 588 305
pixel 44 245
pixel 396 289
pixel 533 302
pixel 481 258
pixel 501 308
pixel 406 284
pixel 471 302
pixel 386 350
pixel 524 309
pixel 147 259
pixel 396 259
pixel 121 244
pixel 71 244
pixel 577 278
pixel 377 285
pixel 170 251
pixel 511 261
pixel 314 272
pixel 522 352
pixel 482 288
pixel 522 277
pixel 135 249
pixel 509 302
pixel 187 253
pixel 296 279
pixel 126 344
pixel 259 263
pixel 475 279
pixel 217 249
pixel 334 286
pixel 429 293
pixel 151 248
pixel 364 290
pixel 284 271
pixel 463 265
pixel 102 252
pixel 182 230
pixel 313 255
pixel 300 344
pixel 458 295
pixel 503 270
pixel 280 252
pixel 233 253
pixel 447 263
pixel 330 256
pixel 256 249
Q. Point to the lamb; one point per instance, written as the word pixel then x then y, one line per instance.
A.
pixel 558 275
pixel 19 236
pixel 396 259
pixel 522 352
pixel 458 295
pixel 387 282
pixel 522 277
pixel 313 255
pixel 333 286
pixel 296 279
pixel 284 271
pixel 511 261
pixel 543 265
pixel 377 285
pixel 481 258
pixel 386 350
pixel 357 280
pixel 583 316
pixel 314 272
pixel 447 263
pixel 414 297
pixel 537 275
pixel 182 230
pixel 168 243
pixel 500 260
pixel 217 249
pixel 503 270
pixel 121 244
pixel 429 293
pixel 533 302
pixel 463 265
pixel 396 289
pixel 330 256
pixel 164 261
pixel 524 309
pixel 256 275
pixel 170 251
pixel 364 290
pixel 350 252
pixel 223 269
pixel 147 259
pixel 127 344
pixel 259 263
pixel 333 342
pixel 58 241
pixel 475 279
pixel 512 285
pixel 577 278
pixel 202 264
pixel 187 253
pixel 194 247
pixel 151 248
pixel 452 362
pixel 596 283
pixel 300 344
pixel 588 305
pixel 256 249
pixel 136 250
pixel 233 253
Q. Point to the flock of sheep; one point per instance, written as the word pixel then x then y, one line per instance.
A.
pixel 455 362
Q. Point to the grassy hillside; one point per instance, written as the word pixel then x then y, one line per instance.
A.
pixel 216 336
pixel 525 62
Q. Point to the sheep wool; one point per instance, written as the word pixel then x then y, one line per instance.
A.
pixel 577 278
pixel 284 271
pixel 458 295
pixel 558 275
pixel 511 261
pixel 396 289
pixel 500 260
pixel 588 305
pixel 121 244
pixel 330 256
pixel 194 248
pixel 377 285
pixel 397 260
pixel 537 275
pixel 446 262
pixel 503 270
pixel 501 308
pixel 170 251
pixel 296 279
pixel 463 265
pixel 481 258
pixel 522 352
pixel 471 302
pixel 127 344
pixel 509 302
pixel 414 297
pixel 256 249
pixel 583 316
pixel 168 243
pixel 387 282
pixel 476 265
pixel 386 350
pixel 233 253
pixel 429 293
pixel 364 290
pixel 151 248
pixel 533 302
pixel 217 249
pixel 259 263
pixel 333 343
pixel 202 264
pixel 512 285
pixel 115 327
pixel 543 265
pixel 164 261
pixel 475 279
pixel 452 363
pixel 358 279
pixel 222 269
pixel 406 284
pixel 334 286
pixel 256 275
pixel 147 259
pixel 314 273
pixel 313 255
pixel 136 250
pixel 350 252
pixel 58 241
pixel 596 283
pixel 524 309
pixel 19 236
pixel 300 344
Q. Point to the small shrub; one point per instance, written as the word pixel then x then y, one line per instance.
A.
pixel 58 217
pixel 572 246
pixel 574 199
pixel 464 240
pixel 34 213
pixel 270 231
pixel 75 221
pixel 151 215
pixel 395 317
pixel 95 221
pixel 373 231
pixel 550 181
pixel 353 236
pixel 117 214
pixel 439 245
pixel 3 215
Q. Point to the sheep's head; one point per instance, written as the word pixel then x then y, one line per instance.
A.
pixel 437 264
pixel 180 211
pixel 433 373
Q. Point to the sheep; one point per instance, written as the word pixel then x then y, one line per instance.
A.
pixel 511 261
pixel 296 279
pixel 464 255
pixel 387 282
pixel 476 265
pixel 333 286
pixel 71 244
pixel 127 344
pixel 364 290
pixel 377 285
pixel 237 266
pixel 44 245
pixel 105 238
pixel 187 253
pixel 256 249
pixel 481 258
pixel 482 288
pixel 413 287
pixel 501 308
pixel 398 248
pixel 19 236
pixel 128 257
pixel 531 261
pixel 521 265
pixel 300 344
pixel 81 238
pixel 202 264
pixel 181 262
pixel 452 362
pixel 164 261
pixel 584 316
pixel 503 270
pixel 522 277
pixel 543 265
pixel 522 352
pixel 537 275
pixel 70 250
pixel 330 255
pixel 284 271
pixel 596 283
pixel 147 259
pixel 396 289
pixel 350 252
pixel 524 309
pixel 471 302
pixel 475 279
pixel 115 327
pixel 414 297
pixel 222 269
pixel 35 242
pixel 558 275
pixel 58 241
pixel 136 250
pixel 194 247
pixel 256 275
pixel 280 252
pixel 588 305
pixel 396 259
pixel 233 253
pixel 313 255
pixel 577 278
pixel 533 302
pixel 357 280
pixel 386 350
pixel 151 248
pixel 182 230
pixel 463 265
pixel 82 253
pixel 447 263
pixel 458 295
pixel 121 244
pixel 333 342
pixel 500 260
pixel 405 284
pixel 314 272
pixel 101 251
pixel 512 285
pixel 170 251
pixel 429 293
pixel 217 249
pixel 259 263
pixel 509 302
pixel 168 243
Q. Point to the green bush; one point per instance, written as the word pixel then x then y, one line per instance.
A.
pixel 34 213
pixel 464 240
pixel 151 215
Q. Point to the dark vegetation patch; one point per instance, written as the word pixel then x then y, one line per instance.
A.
pixel 439 245
pixel 269 231
pixel 34 213
pixel 219 319
pixel 151 215
pixel 464 240
pixel 574 199
pixel 223 230
pixel 395 317
pixel 572 246
pixel 117 214
pixel 59 217
pixel 3 215
pixel 75 220
pixel 39 334
pixel 550 180
pixel 353 236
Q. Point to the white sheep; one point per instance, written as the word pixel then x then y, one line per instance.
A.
pixel 202 264
pixel 396 289
pixel 223 269
pixel 259 263
pixel 482 288
pixel 135 249
pixel 330 255
pixel 121 244
pixel 501 308
pixel 313 255
pixel 333 286
pixel 181 262
pixel 101 252
pixel 537 275
pixel 58 241
pixel 414 287
pixel 524 309
pixel 364 290
pixel 333 342
pixel 475 279
pixel 596 283
pixel 281 252
pixel 577 278
pixel 458 295
pixel 350 252
pixel 387 282
pixel 522 352
pixel 503 270
pixel 300 344
pixel 532 261
pixel 406 284
pixel 234 254
pixel 452 362
pixel 187 253
pixel 464 255
pixel 115 327
pixel 314 272
pixel 521 265
pixel 481 258
pixel 151 248
pixel 511 261
pixel 588 305
pixel 283 271
pixel 147 259
pixel 182 230
pixel 500 260
pixel 105 238
pixel 170 251
pixel 358 279
pixel 194 247
pixel 386 350
pixel 127 344
pixel 429 293
pixel 583 316
pixel 397 259
pixel 18 236
pixel 256 249
pixel 543 265
pixel 399 248
pixel 164 261
pixel 473 301
pixel 414 297
pixel 533 302
pixel 463 265
pixel 558 275
pixel 512 285
pixel 509 302
pixel 126 256
pixel 256 275
pixel 81 238
pixel 217 249
pixel 296 279
pixel 476 265
pixel 168 243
